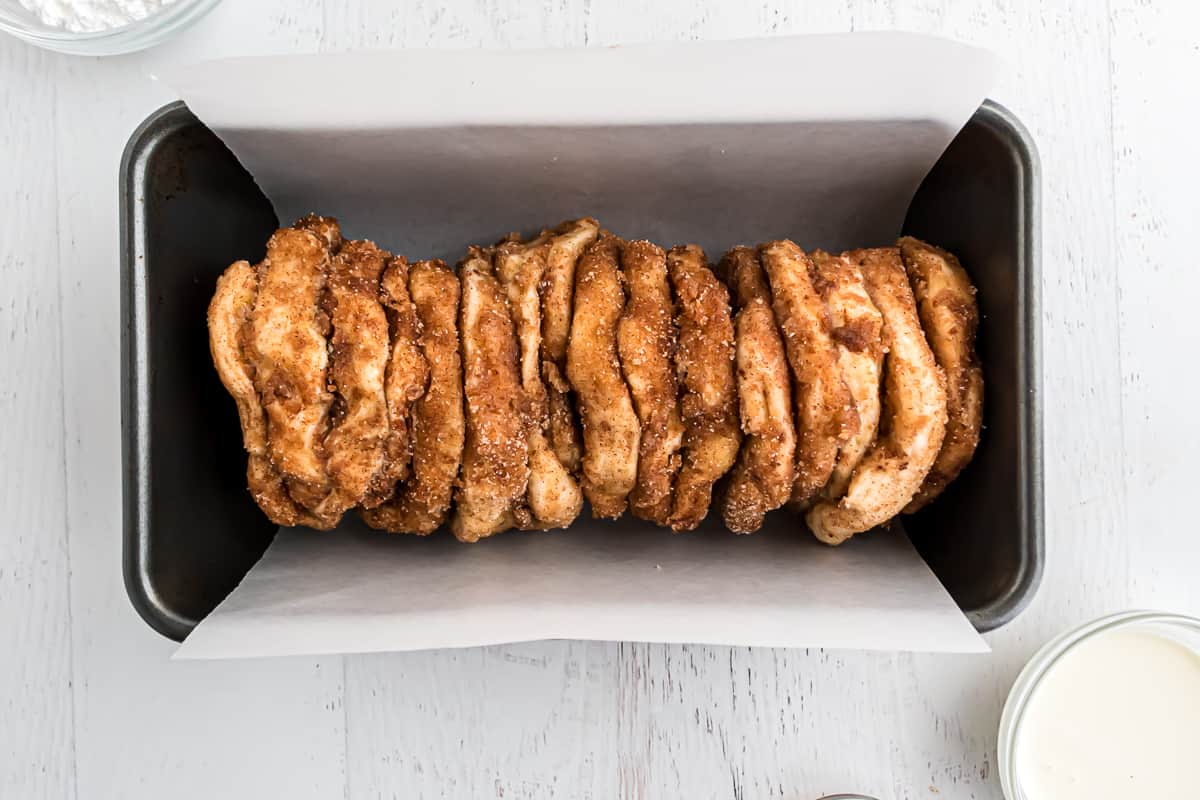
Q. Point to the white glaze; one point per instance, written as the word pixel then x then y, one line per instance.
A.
pixel 1116 717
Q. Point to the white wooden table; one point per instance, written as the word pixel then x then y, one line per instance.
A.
pixel 91 707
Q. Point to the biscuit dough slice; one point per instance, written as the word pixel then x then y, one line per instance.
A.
pixel 856 328
pixel 914 417
pixel 704 363
pixel 611 431
pixel 405 379
pixel 495 468
pixel 286 344
pixel 946 304
pixel 762 478
pixel 358 357
pixel 228 314
pixel 558 294
pixel 421 504
pixel 325 228
pixel 553 496
pixel 646 342
pixel 824 411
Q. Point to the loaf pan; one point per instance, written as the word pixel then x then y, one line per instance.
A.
pixel 192 531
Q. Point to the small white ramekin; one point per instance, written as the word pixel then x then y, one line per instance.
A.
pixel 138 35
pixel 1176 626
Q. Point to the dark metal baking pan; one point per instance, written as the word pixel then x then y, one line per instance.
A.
pixel 191 530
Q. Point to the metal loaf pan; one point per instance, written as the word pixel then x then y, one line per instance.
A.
pixel 191 530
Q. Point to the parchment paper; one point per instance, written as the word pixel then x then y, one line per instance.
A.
pixel 359 591
pixel 822 139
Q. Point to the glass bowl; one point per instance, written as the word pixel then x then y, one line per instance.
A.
pixel 1182 629
pixel 138 35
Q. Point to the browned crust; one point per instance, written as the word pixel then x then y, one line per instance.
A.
pixel 323 348
pixel 405 379
pixel 567 244
pixel 563 425
pixel 421 505
pixel 495 468
pixel 946 303
pixel 646 342
pixel 228 316
pixel 286 344
pixel 358 356
pixel 914 420
pixel 762 478
pixel 704 363
pixel 519 268
pixel 856 328
pixel 824 413
pixel 325 228
pixel 272 496
pixel 611 431
pixel 228 312
pixel 552 496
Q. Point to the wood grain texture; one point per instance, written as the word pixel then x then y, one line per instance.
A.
pixel 36 729
pixel 146 727
pixel 92 698
pixel 1155 208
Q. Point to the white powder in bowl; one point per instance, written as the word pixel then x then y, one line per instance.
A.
pixel 87 16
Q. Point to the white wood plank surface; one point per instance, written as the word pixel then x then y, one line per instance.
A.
pixel 1155 209
pixel 37 734
pixel 90 706
pixel 145 726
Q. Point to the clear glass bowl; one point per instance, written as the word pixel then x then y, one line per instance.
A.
pixel 156 28
pixel 1183 629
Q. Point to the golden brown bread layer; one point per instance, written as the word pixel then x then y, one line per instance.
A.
pixel 553 497
pixel 646 342
pixel 914 420
pixel 567 243
pixel 438 427
pixel 325 228
pixel 762 478
pixel 358 348
pixel 847 385
pixel 558 297
pixel 611 431
pixel 228 315
pixel 405 380
pixel 228 312
pixel 495 468
pixel 824 413
pixel 946 303
pixel 856 327
pixel 704 362
pixel 286 345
